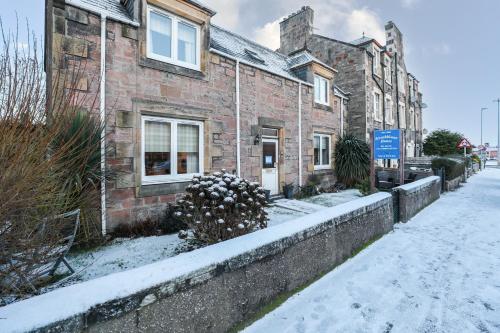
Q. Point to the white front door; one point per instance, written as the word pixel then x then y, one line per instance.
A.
pixel 270 165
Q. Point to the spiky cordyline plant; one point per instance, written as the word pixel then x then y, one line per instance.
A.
pixel 352 160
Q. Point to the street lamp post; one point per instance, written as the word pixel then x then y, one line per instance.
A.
pixel 498 142
pixel 482 151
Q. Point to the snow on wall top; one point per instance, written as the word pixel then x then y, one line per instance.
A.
pixel 76 299
pixel 419 183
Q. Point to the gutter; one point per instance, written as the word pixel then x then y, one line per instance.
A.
pixel 238 130
pixel 102 109
pixel 262 68
pixel 300 134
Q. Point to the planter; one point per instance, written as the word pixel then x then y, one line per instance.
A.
pixel 268 195
pixel 288 191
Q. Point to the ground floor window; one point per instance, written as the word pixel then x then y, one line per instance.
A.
pixel 322 143
pixel 172 149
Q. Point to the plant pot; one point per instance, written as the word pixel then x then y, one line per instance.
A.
pixel 268 195
pixel 288 191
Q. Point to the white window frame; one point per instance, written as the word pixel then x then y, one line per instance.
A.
pixel 402 116
pixel 316 100
pixel 175 39
pixel 377 113
pixel 388 73
pixel 401 80
pixel 323 166
pixel 173 177
pixel 389 119
pixel 376 60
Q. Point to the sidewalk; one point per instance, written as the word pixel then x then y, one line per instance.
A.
pixel 438 273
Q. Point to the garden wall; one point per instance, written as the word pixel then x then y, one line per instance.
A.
pixel 452 185
pixel 210 289
pixel 414 197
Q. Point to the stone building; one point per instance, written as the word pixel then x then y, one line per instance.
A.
pixel 383 94
pixel 181 97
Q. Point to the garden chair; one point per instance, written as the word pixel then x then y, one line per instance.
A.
pixel 27 268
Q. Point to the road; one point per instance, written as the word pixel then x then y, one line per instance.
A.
pixel 440 272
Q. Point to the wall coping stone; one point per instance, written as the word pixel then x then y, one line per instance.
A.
pixel 419 184
pixel 97 299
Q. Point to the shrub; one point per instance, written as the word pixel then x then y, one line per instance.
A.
pixel 453 167
pixel 442 143
pixel 222 206
pixel 364 187
pixel 352 160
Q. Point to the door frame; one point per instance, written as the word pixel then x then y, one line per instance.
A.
pixel 276 141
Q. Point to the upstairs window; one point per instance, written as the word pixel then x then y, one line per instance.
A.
pixel 172 39
pixel 322 143
pixel 321 90
pixel 376 60
pixel 377 110
pixel 388 111
pixel 388 73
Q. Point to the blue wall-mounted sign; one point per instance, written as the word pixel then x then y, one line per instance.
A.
pixel 387 145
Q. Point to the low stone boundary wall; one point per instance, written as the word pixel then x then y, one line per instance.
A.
pixel 210 289
pixel 414 197
pixel 452 185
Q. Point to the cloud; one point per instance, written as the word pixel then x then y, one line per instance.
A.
pixel 269 34
pixel 364 21
pixel 259 19
pixel 228 12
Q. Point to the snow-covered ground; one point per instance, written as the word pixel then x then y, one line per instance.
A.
pixel 440 272
pixel 334 199
pixel 125 254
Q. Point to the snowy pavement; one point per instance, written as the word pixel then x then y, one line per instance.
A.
pixel 440 272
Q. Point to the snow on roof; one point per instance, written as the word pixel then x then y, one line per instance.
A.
pixel 112 8
pixel 67 302
pixel 361 41
pixel 241 48
pixel 304 57
pixel 340 92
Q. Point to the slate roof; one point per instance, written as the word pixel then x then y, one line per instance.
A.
pixel 243 49
pixel 361 41
pixel 304 57
pixel 112 8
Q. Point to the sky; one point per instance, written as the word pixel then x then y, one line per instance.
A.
pixel 451 46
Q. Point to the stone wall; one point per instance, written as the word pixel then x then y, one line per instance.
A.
pixel 214 288
pixel 414 197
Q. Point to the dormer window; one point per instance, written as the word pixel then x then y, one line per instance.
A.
pixel 321 90
pixel 254 56
pixel 172 39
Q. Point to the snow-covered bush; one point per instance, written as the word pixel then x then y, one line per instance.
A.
pixel 222 206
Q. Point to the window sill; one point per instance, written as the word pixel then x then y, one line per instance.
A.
pixel 322 106
pixel 150 190
pixel 171 68
pixel 322 167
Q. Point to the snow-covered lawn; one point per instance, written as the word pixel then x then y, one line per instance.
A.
pixel 334 199
pixel 125 254
pixel 440 272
